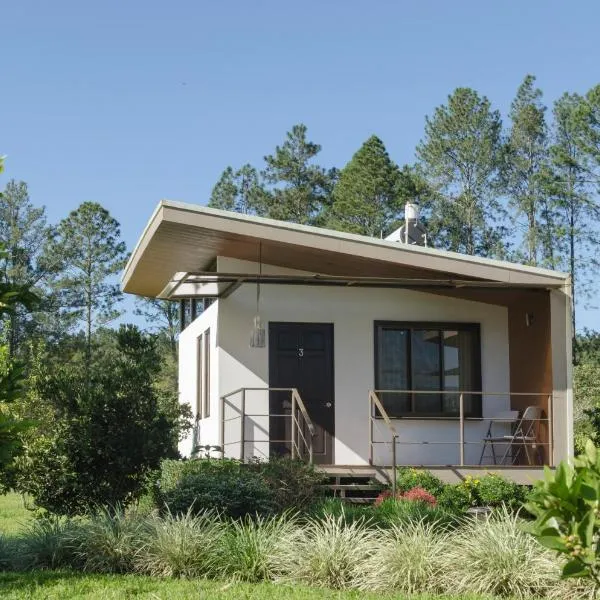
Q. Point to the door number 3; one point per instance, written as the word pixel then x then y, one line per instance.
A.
pixel 300 352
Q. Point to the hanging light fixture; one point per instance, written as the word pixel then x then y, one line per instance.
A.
pixel 258 337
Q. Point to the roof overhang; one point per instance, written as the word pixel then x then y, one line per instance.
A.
pixel 181 241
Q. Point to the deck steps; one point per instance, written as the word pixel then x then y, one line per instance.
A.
pixel 354 484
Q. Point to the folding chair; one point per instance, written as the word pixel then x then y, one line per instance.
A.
pixel 507 416
pixel 524 436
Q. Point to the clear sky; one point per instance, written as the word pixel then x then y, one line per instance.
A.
pixel 126 102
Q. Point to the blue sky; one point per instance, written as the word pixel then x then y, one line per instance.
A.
pixel 128 102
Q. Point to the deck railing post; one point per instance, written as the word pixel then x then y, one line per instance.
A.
pixel 243 426
pixel 461 408
pixel 293 425
pixel 394 465
pixel 370 430
pixel 223 426
pixel 550 430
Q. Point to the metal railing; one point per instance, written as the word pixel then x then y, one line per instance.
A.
pixel 374 406
pixel 377 406
pixel 302 429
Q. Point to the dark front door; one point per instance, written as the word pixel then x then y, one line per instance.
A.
pixel 301 356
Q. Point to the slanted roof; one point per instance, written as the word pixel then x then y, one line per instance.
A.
pixel 187 238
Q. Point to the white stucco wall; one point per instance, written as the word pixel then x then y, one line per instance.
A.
pixel 188 375
pixel 353 312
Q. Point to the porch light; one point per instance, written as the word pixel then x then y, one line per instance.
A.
pixel 258 337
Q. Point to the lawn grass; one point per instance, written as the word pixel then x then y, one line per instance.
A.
pixel 64 585
pixel 13 514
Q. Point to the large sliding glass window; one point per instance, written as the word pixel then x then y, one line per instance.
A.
pixel 438 357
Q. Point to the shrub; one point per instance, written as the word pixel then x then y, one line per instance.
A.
pixel 223 485
pixel 456 498
pixel 408 560
pixel 396 512
pixel 292 482
pixel 109 429
pixel 326 553
pixel 184 545
pixel 495 556
pixel 565 505
pixel 249 545
pixel 418 494
pixel 47 544
pixel 408 478
pixel 495 491
pixel 336 507
pixel 108 541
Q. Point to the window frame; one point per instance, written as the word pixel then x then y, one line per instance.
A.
pixel 206 374
pixel 203 352
pixel 200 377
pixel 441 326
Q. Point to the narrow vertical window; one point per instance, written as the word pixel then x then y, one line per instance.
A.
pixel 199 377
pixel 206 368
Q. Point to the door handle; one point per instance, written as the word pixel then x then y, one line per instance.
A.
pixel 327 404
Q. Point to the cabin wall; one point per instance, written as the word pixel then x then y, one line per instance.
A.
pixel 189 372
pixel 353 312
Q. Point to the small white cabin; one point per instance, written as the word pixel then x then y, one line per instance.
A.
pixel 351 351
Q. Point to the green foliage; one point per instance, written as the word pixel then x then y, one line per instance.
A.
pixel 456 498
pixel 108 541
pixel 398 512
pixel 408 478
pixel 299 189
pixel 249 545
pixel 495 491
pixel 460 157
pixel 408 560
pixel 495 557
pixel 106 433
pixel 366 197
pixel 293 483
pixel 227 486
pixel 184 545
pixel 567 521
pixel 88 250
pixel 236 489
pixel 12 297
pixel 524 167
pixel 240 191
pixel 23 233
pixel 325 553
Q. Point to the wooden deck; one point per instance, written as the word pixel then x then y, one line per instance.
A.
pixel 526 475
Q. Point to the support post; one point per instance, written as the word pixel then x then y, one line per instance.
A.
pixel 242 427
pixel 370 430
pixel 223 426
pixel 394 465
pixel 293 425
pixel 461 407
pixel 550 430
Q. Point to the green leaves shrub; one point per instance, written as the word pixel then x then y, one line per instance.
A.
pixel 408 478
pixel 227 486
pixel 566 505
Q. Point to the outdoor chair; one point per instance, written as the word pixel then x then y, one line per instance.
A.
pixel 522 438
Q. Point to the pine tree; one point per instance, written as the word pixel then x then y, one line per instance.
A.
pixel 88 248
pixel 578 216
pixel 300 189
pixel 459 158
pixel 239 191
pixel 525 161
pixel 23 233
pixel 366 196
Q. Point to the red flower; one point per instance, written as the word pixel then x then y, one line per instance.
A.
pixel 418 494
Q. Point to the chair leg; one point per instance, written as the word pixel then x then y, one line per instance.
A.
pixel 483 451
